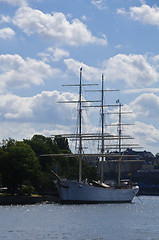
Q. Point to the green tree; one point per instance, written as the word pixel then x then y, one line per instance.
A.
pixel 22 163
pixel 62 143
pixel 19 165
pixel 3 157
pixel 43 145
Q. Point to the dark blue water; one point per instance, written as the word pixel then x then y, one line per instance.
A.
pixel 134 221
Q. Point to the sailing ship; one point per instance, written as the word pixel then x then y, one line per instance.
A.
pixel 73 191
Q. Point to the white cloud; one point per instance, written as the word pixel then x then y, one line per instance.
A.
pixel 16 130
pixel 16 72
pixel 121 11
pixel 14 107
pixel 45 56
pixel 46 107
pixel 145 134
pixel 58 53
pixel 15 2
pixel 135 70
pixel 5 18
pixel 141 90
pixel 54 54
pixel 41 114
pixel 6 33
pixel 155 60
pixel 43 107
pixel 144 14
pixel 100 4
pixel 118 46
pixel 89 73
pixel 55 27
pixel 22 117
pixel 84 18
pixel 146 105
pixel 142 1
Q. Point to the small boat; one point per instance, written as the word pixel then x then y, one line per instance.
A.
pixel 71 191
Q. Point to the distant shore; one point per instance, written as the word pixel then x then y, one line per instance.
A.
pixel 22 200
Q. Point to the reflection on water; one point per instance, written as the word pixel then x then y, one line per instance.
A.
pixel 135 221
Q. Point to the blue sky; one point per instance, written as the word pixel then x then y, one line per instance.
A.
pixel 43 44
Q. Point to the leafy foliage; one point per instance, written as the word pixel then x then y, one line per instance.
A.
pixel 18 164
pixel 24 165
pixel 62 143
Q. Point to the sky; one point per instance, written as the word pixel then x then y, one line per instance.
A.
pixel 43 45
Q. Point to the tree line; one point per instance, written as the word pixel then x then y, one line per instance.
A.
pixel 23 169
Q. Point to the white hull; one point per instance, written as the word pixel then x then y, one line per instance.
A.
pixel 75 192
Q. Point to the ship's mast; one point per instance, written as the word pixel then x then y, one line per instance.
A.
pixel 102 115
pixel 90 136
pixel 119 131
pixel 103 137
pixel 80 127
pixel 80 123
pixel 79 134
pixel 119 128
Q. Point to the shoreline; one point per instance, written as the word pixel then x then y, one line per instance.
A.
pixel 24 200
